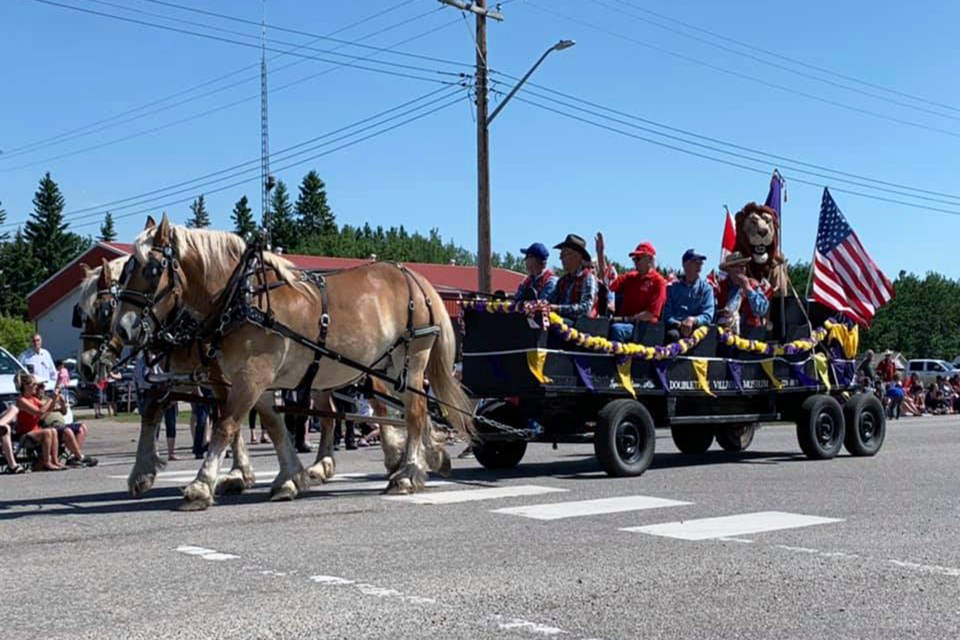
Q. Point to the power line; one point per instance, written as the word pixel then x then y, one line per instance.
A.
pixel 729 163
pixel 77 131
pixel 771 156
pixel 292 165
pixel 335 65
pixel 743 76
pixel 761 60
pixel 754 47
pixel 197 184
pixel 272 49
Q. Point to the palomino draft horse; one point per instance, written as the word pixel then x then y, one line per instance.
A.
pixel 94 315
pixel 377 317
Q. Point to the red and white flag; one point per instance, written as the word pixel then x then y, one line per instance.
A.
pixel 845 277
pixel 727 245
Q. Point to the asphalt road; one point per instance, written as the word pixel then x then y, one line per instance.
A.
pixel 848 548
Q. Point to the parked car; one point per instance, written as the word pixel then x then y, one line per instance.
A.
pixel 929 369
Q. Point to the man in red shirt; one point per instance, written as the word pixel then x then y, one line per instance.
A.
pixel 642 291
pixel 887 368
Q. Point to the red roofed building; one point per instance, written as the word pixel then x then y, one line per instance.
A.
pixel 51 304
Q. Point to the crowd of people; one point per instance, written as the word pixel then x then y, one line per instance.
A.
pixel 591 288
pixel 910 396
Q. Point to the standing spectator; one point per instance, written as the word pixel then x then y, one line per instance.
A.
pixel 895 394
pixel 201 414
pixel 63 374
pixel 7 418
pixel 887 369
pixel 865 371
pixel 146 390
pixel 296 423
pixel 38 361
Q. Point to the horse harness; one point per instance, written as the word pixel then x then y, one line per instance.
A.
pixel 248 281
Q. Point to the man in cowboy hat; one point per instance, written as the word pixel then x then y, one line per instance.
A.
pixel 641 292
pixel 690 300
pixel 740 299
pixel 540 281
pixel 576 292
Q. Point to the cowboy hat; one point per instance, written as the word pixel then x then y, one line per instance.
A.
pixel 575 242
pixel 734 259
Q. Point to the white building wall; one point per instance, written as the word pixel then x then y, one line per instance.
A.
pixel 59 336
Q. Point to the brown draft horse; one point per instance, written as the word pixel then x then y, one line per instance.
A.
pixel 370 311
pixel 95 314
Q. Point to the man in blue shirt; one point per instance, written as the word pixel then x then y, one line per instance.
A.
pixel 690 302
pixel 540 281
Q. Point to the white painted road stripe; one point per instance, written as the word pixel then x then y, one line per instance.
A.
pixel 206 554
pixel 731 526
pixel 470 495
pixel 559 510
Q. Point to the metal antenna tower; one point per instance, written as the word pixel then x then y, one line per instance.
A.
pixel 266 180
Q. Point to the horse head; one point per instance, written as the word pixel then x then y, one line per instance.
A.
pixel 93 315
pixel 150 285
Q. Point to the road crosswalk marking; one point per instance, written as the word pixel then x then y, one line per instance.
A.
pixel 731 526
pixel 578 508
pixel 470 495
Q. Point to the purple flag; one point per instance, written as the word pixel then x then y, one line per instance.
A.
pixel 582 364
pixel 774 200
pixel 661 368
pixel 799 372
pixel 736 374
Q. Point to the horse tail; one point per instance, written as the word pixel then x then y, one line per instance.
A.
pixel 455 404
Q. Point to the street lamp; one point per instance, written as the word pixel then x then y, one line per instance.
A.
pixel 484 252
pixel 560 46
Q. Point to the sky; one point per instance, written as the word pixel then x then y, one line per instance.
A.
pixel 77 85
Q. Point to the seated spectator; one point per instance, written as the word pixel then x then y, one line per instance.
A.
pixel 540 281
pixel 934 400
pixel 914 385
pixel 39 413
pixel 7 418
pixel 641 293
pixel 910 407
pixel 895 394
pixel 28 423
pixel 576 292
pixel 740 299
pixel 919 400
pixel 690 301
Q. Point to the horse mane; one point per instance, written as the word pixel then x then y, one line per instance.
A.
pixel 89 286
pixel 218 251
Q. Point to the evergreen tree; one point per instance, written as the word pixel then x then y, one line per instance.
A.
pixel 18 275
pixel 243 222
pixel 107 232
pixel 46 232
pixel 200 218
pixel 3 218
pixel 313 212
pixel 283 226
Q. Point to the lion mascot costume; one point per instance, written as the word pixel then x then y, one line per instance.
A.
pixel 758 236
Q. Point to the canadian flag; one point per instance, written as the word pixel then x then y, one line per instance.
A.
pixel 727 246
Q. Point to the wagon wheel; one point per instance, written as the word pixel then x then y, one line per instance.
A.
pixel 624 439
pixel 735 437
pixel 499 454
pixel 866 425
pixel 820 427
pixel 692 439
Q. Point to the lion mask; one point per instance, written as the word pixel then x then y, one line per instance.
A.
pixel 758 237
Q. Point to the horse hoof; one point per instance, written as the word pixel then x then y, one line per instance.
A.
pixel 139 485
pixel 445 466
pixel 317 474
pixel 329 467
pixel 235 482
pixel 196 497
pixel 401 486
pixel 286 491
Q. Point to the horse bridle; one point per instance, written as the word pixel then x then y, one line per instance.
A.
pixel 160 260
pixel 104 307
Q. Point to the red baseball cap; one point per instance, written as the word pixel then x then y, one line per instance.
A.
pixel 644 248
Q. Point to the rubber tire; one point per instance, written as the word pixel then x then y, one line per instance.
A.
pixel 860 408
pixel 614 418
pixel 813 411
pixel 692 440
pixel 499 454
pixel 735 437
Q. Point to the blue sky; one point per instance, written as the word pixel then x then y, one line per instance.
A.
pixel 550 175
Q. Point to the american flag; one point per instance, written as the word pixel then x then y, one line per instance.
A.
pixel 845 277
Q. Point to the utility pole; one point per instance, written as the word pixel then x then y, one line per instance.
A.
pixel 266 180
pixel 484 268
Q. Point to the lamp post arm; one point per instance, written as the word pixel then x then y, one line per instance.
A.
pixel 518 85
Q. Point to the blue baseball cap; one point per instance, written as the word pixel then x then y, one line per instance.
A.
pixel 691 254
pixel 537 250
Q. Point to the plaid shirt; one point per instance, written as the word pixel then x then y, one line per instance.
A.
pixel 576 294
